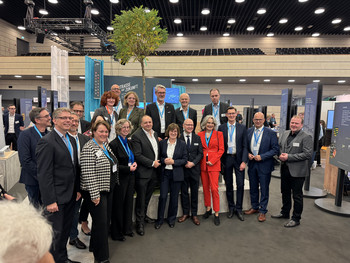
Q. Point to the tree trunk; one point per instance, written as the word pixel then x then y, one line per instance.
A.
pixel 144 84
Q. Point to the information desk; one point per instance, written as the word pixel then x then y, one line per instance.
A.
pixel 10 169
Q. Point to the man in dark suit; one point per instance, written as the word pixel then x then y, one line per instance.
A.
pixel 234 158
pixel 13 124
pixel 162 113
pixel 27 142
pixel 185 112
pixel 216 107
pixel 78 108
pixel 57 163
pixel 263 146
pixel 146 147
pixel 296 147
pixel 192 172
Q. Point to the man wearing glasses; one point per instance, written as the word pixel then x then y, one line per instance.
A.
pixel 13 124
pixel 116 89
pixel 27 142
pixel 78 108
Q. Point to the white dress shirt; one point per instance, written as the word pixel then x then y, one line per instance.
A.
pixel 170 153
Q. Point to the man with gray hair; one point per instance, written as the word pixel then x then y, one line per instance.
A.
pixel 185 112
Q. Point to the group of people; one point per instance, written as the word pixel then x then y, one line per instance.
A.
pixel 126 150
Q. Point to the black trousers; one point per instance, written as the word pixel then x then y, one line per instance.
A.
pixel 193 183
pixel 291 186
pixel 84 211
pixel 11 138
pixel 61 224
pixel 123 197
pixel 144 188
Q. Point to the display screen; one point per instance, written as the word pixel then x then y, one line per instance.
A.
pixel 330 118
pixel 172 95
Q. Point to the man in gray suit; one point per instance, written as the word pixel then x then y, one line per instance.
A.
pixel 296 147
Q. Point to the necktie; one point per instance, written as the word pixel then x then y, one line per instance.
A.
pixel 188 142
pixel 256 140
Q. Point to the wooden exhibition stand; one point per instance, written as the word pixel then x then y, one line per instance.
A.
pixel 10 169
pixel 330 175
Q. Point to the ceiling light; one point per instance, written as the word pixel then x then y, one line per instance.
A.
pixel 203 28
pixel 316 80
pixel 291 80
pixel 347 28
pixel 19 76
pixel 319 10
pixel 231 21
pixel 341 81
pixel 303 1
pixel 110 28
pixel 172 79
pixel 94 11
pixel 67 28
pixel 82 77
pixel 336 21
pixel 53 1
pixel 147 10
pixel 180 34
pixel 270 34
pixel 177 21
pixel 205 11
pixel 194 80
pixel 1 2
pixel 267 80
pixel 298 28
pixel 173 1
pixel 218 80
pixel 283 20
pixel 39 77
pixel 78 21
pixel 239 1
pixel 316 34
pixel 242 80
pixel 226 34
pixel 114 1
pixel 54 34
pixel 261 11
pixel 43 12
pixel 21 28
pixel 250 28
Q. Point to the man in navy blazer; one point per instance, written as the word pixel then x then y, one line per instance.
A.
pixel 27 142
pixel 216 107
pixel 13 124
pixel 185 112
pixel 161 112
pixel 263 146
pixel 234 158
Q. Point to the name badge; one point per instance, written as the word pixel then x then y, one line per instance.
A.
pixel 196 144
pixel 223 114
pixel 16 122
pixel 99 153
pixel 295 144
pixel 129 164
pixel 114 168
pixel 255 148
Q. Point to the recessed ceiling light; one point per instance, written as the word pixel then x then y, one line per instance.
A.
pixel 291 80
pixel 316 80
pixel 267 80
pixel 67 28
pixel 205 11
pixel 54 34
pixel 310 26
pixel 82 77
pixel 270 34
pixel 261 11
pixel 250 28
pixel 174 1
pixel 268 26
pixel 194 80
pixel 203 28
pixel 39 77
pixel 283 20
pixel 180 34
pixel 1 2
pixel 21 28
pixel 177 21
pixel 18 76
pixel 341 81
pixel 110 28
pixel 316 34
pixel 231 21
pixel 298 28
pixel 242 80
pixel 218 80
pixel 94 11
pixel 172 79
pixel 319 10
pixel 226 34
pixel 114 1
pixel 347 28
pixel 147 10
pixel 336 21
pixel 53 1
pixel 239 1
pixel 303 1
pixel 78 21
pixel 43 12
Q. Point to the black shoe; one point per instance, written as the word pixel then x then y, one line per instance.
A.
pixel 231 213
pixel 71 261
pixel 131 234
pixel 240 215
pixel 122 239
pixel 140 229
pixel 171 225
pixel 216 220
pixel 280 215
pixel 157 225
pixel 207 214
pixel 292 223
pixel 77 243
pixel 103 261
pixel 149 220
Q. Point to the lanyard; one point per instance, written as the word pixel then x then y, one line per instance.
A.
pixel 161 113
pixel 207 140
pixel 69 145
pixel 77 140
pixel 256 140
pixel 232 131
pixel 104 151
pixel 37 131
pixel 127 117
pixel 111 115
pixel 215 113
pixel 127 149
pixel 185 116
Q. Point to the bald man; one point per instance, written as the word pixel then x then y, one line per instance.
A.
pixel 185 112
pixel 116 89
pixel 262 147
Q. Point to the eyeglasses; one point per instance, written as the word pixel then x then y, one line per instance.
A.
pixel 45 116
pixel 75 121
pixel 161 93
pixel 188 124
pixel 65 118
pixel 126 128
pixel 258 119
pixel 78 111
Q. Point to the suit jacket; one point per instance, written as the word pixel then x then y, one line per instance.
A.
pixel 57 174
pixel 18 123
pixel 179 117
pixel 241 142
pixel 214 151
pixel 299 152
pixel 85 125
pixel 195 155
pixel 122 156
pixel 135 117
pixel 144 154
pixel 102 111
pixel 268 148
pixel 179 157
pixel 27 142
pixel 153 112
pixel 208 110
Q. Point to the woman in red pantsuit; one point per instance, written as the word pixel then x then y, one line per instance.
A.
pixel 213 148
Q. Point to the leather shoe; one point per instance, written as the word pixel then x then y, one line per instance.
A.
pixel 131 234
pixel 77 243
pixel 231 213
pixel 216 220
pixel 251 211
pixel 157 225
pixel 122 239
pixel 196 220
pixel 207 214
pixel 240 215
pixel 140 229
pixel 86 233
pixel 171 225
pixel 261 217
pixel 292 223
pixel 280 215
pixel 149 220
pixel 71 261
pixel 183 218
